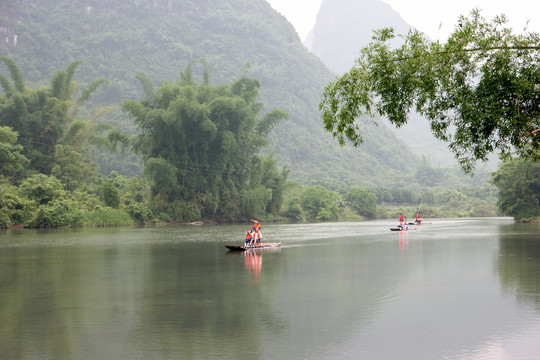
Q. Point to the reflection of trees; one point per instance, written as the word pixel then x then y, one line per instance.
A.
pixel 44 295
pixel 67 302
pixel 196 305
pixel 31 316
pixel 182 301
pixel 519 262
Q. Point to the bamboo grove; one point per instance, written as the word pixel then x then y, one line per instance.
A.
pixel 199 144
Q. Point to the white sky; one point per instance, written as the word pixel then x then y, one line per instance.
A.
pixel 425 15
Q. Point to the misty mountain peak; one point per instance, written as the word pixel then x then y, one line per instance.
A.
pixel 343 27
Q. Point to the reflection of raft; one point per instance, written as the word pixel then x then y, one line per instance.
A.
pixel 258 246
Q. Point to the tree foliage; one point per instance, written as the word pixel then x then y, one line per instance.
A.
pixel 47 117
pixel 518 183
pixel 42 189
pixel 320 203
pixel 479 89
pixel 363 201
pixel 11 158
pixel 200 145
pixel 42 149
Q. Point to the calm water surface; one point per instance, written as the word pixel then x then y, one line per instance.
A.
pixel 452 289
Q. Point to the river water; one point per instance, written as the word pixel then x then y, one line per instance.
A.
pixel 451 289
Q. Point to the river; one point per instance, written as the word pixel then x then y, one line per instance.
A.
pixel 458 289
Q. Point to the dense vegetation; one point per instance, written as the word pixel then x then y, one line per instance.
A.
pixel 200 145
pixel 45 180
pixel 518 182
pixel 186 149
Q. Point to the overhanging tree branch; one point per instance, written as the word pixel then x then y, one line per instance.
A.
pixel 478 90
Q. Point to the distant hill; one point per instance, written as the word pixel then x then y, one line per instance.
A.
pixel 342 28
pixel 117 39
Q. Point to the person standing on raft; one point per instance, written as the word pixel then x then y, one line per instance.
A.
pixel 256 231
pixel 256 224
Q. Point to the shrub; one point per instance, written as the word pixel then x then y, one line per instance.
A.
pixel 59 212
pixel 294 212
pixel 42 188
pixel 363 201
pixel 19 210
pixel 140 212
pixel 110 195
pixel 5 221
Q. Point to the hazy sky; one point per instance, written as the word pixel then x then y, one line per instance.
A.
pixel 425 15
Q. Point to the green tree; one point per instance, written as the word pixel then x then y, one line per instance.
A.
pixel 384 196
pixel 110 195
pixel 47 117
pixel 479 89
pixel 320 203
pixel 11 158
pixel 73 170
pixel 59 212
pixel 200 146
pixel 14 209
pixel 266 173
pixel 518 184
pixel 294 210
pixel 362 201
pixel 42 188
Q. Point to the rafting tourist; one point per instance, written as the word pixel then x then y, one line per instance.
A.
pixel 256 224
pixel 418 218
pixel 403 225
pixel 249 236
pixel 257 236
pixel 401 220
pixel 258 233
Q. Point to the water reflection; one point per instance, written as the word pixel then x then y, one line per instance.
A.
pixel 253 260
pixel 346 291
pixel 519 262
pixel 403 240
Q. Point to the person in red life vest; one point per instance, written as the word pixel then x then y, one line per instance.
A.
pixel 256 231
pixel 257 236
pixel 256 224
pixel 403 225
pixel 418 218
pixel 249 236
